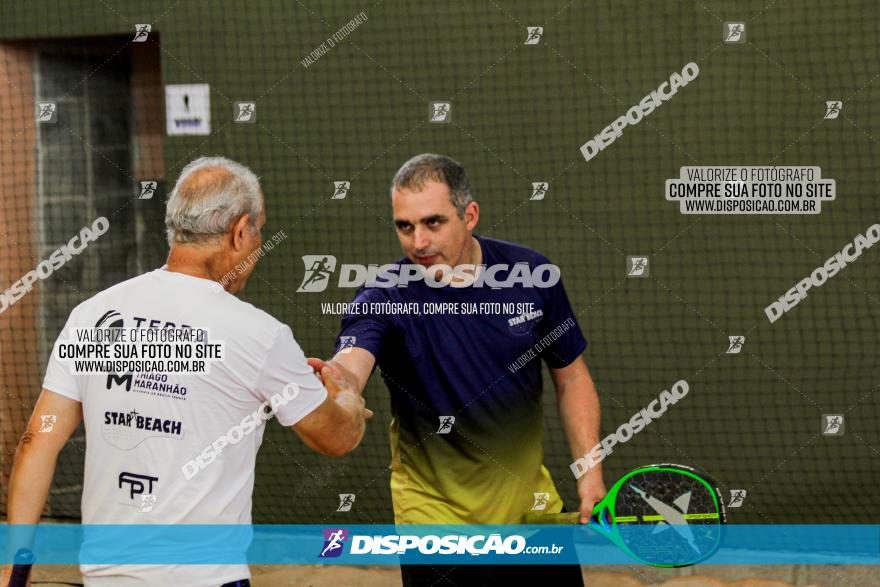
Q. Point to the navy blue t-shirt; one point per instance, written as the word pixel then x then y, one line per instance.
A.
pixel 482 369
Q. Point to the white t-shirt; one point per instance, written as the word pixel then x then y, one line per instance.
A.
pixel 144 433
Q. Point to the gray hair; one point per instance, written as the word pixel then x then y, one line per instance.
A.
pixel 432 167
pixel 200 209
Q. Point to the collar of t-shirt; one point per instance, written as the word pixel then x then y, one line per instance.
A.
pixel 163 272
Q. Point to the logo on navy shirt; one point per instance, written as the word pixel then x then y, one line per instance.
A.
pixel 525 322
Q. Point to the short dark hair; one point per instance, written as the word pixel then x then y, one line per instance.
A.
pixel 432 167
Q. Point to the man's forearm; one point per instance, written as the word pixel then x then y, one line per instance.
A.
pixel 356 365
pixel 32 473
pixel 353 404
pixel 581 416
pixel 353 381
pixel 580 413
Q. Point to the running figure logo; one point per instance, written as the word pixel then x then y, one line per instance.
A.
pixel 636 266
pixel 245 112
pixel 47 422
pixel 346 343
pixel 319 268
pixel 440 112
pixel 539 190
pixel 737 497
pixel 446 423
pixel 832 109
pixel 340 189
pixel 736 344
pixel 334 539
pixel 734 32
pixel 533 35
pixel 832 424
pixel 141 32
pixel 148 189
pixel 46 112
pixel 541 501
pixel 148 502
pixel 346 500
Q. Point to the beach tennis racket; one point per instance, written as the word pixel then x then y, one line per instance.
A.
pixel 662 515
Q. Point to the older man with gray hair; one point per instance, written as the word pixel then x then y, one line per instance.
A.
pixel 165 453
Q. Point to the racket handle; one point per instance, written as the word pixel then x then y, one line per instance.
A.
pixel 563 518
pixel 21 568
pixel 20 574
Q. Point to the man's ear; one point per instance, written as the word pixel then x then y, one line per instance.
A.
pixel 471 215
pixel 238 229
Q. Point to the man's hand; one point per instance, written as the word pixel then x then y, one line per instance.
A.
pixel 355 364
pixel 344 377
pixel 316 364
pixel 591 490
pixel 338 384
pixel 6 576
pixel 332 373
pixel 337 426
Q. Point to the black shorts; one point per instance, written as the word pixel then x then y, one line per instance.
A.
pixel 491 575
pixel 239 583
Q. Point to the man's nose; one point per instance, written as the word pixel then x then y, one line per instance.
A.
pixel 421 238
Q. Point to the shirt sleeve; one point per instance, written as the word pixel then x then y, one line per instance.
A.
pixel 362 329
pixel 561 337
pixel 60 377
pixel 286 364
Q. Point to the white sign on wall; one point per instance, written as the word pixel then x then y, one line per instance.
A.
pixel 188 109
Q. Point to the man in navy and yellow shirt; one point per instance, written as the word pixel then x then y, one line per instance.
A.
pixel 484 465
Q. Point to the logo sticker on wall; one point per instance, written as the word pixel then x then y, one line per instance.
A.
pixel 188 109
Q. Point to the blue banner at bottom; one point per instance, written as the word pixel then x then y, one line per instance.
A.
pixel 443 544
